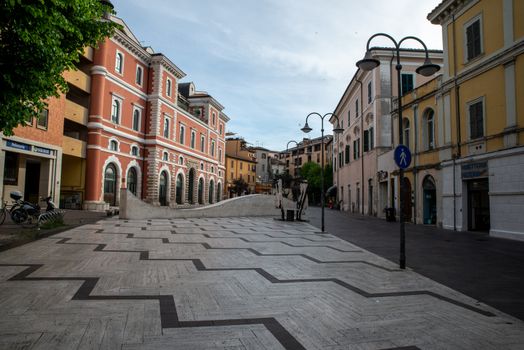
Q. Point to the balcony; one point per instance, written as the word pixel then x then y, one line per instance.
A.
pixel 74 147
pixel 88 53
pixel 76 112
pixel 79 79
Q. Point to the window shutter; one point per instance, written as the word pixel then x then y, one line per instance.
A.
pixel 347 154
pixel 366 140
pixel 371 138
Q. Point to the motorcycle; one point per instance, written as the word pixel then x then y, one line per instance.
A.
pixel 24 212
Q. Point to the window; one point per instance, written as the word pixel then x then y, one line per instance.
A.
pixel 115 111
pixel 41 123
pixel 134 151
pixel 473 38
pixel 232 164
pixel 240 165
pixel 428 129
pixel 371 138
pixel 342 125
pixel 202 143
pixel 181 160
pixel 406 129
pixel 214 118
pixel 168 87
pixel 193 139
pixel 182 134
pixel 113 145
pixel 220 154
pixel 340 154
pixel 356 108
pixel 201 166
pixel 119 62
pixel 366 140
pixel 166 127
pixel 349 117
pixel 11 168
pixel 136 119
pixel 370 96
pixel 407 83
pixel 220 129
pixel 212 148
pixel 476 119
pixel 264 156
pixel 347 154
pixel 165 156
pixel 138 76
pixel 356 149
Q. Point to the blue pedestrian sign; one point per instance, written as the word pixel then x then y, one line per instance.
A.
pixel 402 156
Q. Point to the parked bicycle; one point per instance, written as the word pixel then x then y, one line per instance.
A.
pixel 23 212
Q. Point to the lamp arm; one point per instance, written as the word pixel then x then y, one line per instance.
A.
pixel 332 115
pixel 315 113
pixel 381 34
pixel 416 39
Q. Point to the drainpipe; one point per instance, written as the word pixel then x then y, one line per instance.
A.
pixel 457 121
pixel 362 144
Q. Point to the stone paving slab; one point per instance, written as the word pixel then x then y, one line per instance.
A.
pixel 229 283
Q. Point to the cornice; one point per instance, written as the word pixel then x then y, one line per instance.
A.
pixel 443 12
pixel 130 45
pixel 165 62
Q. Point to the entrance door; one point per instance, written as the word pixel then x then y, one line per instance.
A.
pixel 110 185
pixel 191 186
pixel 406 196
pixel 132 181
pixel 162 189
pixel 201 191
pixel 478 205
pixel 179 189
pixel 32 181
pixel 430 201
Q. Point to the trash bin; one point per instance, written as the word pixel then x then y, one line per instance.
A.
pixel 390 214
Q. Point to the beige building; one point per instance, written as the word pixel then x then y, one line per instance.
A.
pixel 240 164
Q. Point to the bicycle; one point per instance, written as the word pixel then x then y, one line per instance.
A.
pixel 3 212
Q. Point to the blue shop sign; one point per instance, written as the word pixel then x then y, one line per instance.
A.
pixel 18 145
pixel 41 150
pixel 474 170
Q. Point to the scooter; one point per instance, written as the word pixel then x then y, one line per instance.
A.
pixel 27 212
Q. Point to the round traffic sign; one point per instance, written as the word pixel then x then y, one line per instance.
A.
pixel 402 156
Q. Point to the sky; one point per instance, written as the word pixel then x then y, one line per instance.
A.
pixel 272 62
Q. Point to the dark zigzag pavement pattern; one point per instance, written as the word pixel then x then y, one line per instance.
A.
pixel 199 265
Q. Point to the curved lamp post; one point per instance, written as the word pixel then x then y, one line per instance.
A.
pixel 427 69
pixel 287 148
pixel 337 130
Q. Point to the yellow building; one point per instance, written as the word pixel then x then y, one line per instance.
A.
pixel 480 119
pixel 240 164
pixel 74 142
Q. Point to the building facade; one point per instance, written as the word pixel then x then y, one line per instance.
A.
pixel 482 115
pixel 308 150
pixel 241 164
pixel 264 168
pixel 362 162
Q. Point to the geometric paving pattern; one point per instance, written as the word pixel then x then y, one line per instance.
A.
pixel 229 283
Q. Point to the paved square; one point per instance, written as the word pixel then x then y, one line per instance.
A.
pixel 231 283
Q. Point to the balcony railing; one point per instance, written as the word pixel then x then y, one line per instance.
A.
pixel 79 79
pixel 76 112
pixel 74 147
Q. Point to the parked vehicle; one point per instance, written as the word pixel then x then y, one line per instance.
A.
pixel 23 212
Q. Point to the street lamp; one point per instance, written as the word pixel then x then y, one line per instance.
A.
pixel 294 162
pixel 336 130
pixel 427 69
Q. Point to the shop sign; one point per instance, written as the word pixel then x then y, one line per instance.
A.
pixel 18 145
pixel 41 150
pixel 474 170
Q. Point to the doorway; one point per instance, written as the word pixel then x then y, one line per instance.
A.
pixel 179 188
pixel 191 186
pixel 110 185
pixel 132 180
pixel 162 189
pixel 201 191
pixel 32 181
pixel 405 192
pixel 478 205
pixel 430 201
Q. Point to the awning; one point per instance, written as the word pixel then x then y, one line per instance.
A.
pixel 332 191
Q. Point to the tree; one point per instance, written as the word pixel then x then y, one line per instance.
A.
pixel 312 173
pixel 240 186
pixel 39 40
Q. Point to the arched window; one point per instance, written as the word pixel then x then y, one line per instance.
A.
pixel 134 151
pixel 165 157
pixel 405 127
pixel 211 190
pixel 168 87
pixel 429 133
pixel 179 188
pixel 166 127
pixel 132 180
pixel 138 78
pixel 212 148
pixel 115 111
pixel 136 120
pixel 162 188
pixel 110 178
pixel 113 145
pixel 119 60
pixel 181 160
